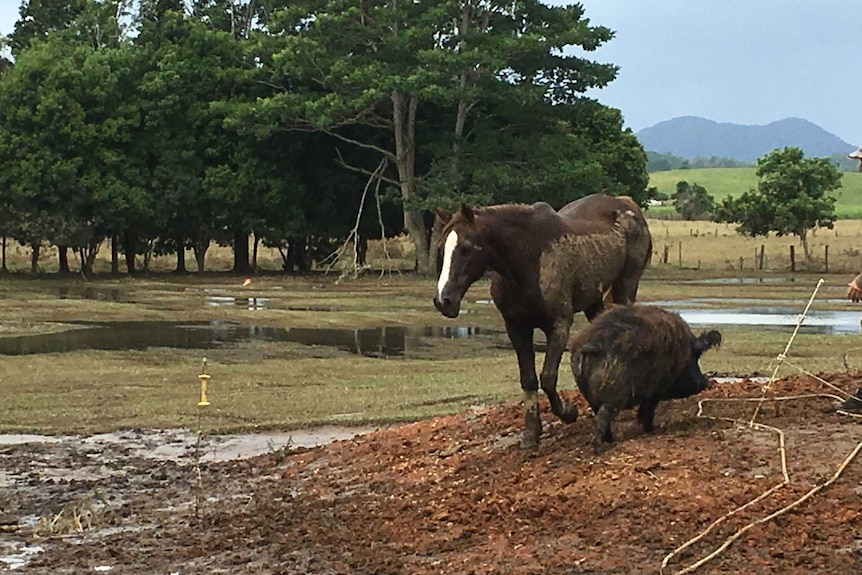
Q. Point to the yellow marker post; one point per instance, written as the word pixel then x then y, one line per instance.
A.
pixel 203 377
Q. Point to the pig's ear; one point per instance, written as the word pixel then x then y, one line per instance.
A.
pixel 707 340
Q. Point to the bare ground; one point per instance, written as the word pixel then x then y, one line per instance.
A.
pixel 456 495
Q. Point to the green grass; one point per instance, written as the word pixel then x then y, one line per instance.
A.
pixel 259 385
pixel 724 182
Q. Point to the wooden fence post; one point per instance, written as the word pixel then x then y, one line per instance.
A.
pixel 762 249
pixel 826 258
pixel 792 258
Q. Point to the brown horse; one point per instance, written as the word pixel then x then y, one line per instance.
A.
pixel 546 267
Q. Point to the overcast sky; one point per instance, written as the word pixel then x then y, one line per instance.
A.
pixel 740 61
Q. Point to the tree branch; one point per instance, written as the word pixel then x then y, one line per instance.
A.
pixel 378 173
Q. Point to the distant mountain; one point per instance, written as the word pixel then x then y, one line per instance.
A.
pixel 691 136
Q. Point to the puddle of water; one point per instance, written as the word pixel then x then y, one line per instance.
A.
pixel 741 280
pixel 372 342
pixel 16 554
pixel 249 303
pixel 716 301
pixel 826 322
pixel 19 438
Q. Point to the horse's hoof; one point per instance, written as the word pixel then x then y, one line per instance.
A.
pixel 529 443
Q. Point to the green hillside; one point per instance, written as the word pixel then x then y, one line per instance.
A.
pixel 724 182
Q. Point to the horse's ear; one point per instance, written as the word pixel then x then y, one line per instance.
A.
pixel 444 215
pixel 467 212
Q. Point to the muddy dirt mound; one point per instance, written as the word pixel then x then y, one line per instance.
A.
pixel 457 495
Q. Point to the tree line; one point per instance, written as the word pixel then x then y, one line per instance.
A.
pixel 166 125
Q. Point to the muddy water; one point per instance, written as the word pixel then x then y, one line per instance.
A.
pixel 40 474
pixel 373 342
pixel 179 444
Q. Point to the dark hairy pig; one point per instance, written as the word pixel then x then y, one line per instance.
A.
pixel 637 355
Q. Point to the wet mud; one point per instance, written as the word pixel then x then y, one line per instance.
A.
pixel 456 494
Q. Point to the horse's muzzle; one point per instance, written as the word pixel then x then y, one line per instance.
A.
pixel 447 307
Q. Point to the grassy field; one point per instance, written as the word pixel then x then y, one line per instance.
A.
pixel 260 384
pixel 717 248
pixel 265 384
pixel 724 182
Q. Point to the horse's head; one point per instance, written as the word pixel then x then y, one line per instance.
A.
pixel 462 258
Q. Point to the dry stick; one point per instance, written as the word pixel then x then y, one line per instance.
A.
pixel 846 394
pixel 354 233
pixel 783 355
pixel 199 480
pixel 813 491
pixel 786 475
pixel 715 524
pixel 786 480
pixel 383 230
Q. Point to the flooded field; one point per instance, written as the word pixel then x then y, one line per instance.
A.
pixel 391 341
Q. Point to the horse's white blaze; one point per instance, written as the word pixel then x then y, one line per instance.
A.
pixel 448 250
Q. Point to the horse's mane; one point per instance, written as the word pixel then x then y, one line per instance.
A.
pixel 511 214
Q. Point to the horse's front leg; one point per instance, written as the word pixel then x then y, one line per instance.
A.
pixel 522 342
pixel 558 339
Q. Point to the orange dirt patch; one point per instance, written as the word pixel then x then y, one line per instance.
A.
pixel 457 495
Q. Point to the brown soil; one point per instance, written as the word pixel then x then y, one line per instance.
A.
pixel 457 495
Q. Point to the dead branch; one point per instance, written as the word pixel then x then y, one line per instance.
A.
pixel 354 233
pixel 371 174
pixel 846 394
pixel 786 480
pixel 783 355
pixel 811 492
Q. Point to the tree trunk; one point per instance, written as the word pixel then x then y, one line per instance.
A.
pixel 34 257
pixel 63 259
pixel 148 255
pixel 130 243
pixel 181 257
pixel 804 239
pixel 92 251
pixel 254 253
pixel 200 256
pixel 115 256
pixel 4 268
pixel 82 258
pixel 360 246
pixel 404 123
pixel 296 249
pixel 241 263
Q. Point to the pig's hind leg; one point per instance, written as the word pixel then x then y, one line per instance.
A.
pixel 604 416
pixel 646 414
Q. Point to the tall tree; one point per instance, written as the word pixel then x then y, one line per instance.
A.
pixel 379 62
pixel 792 197
pixel 39 18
